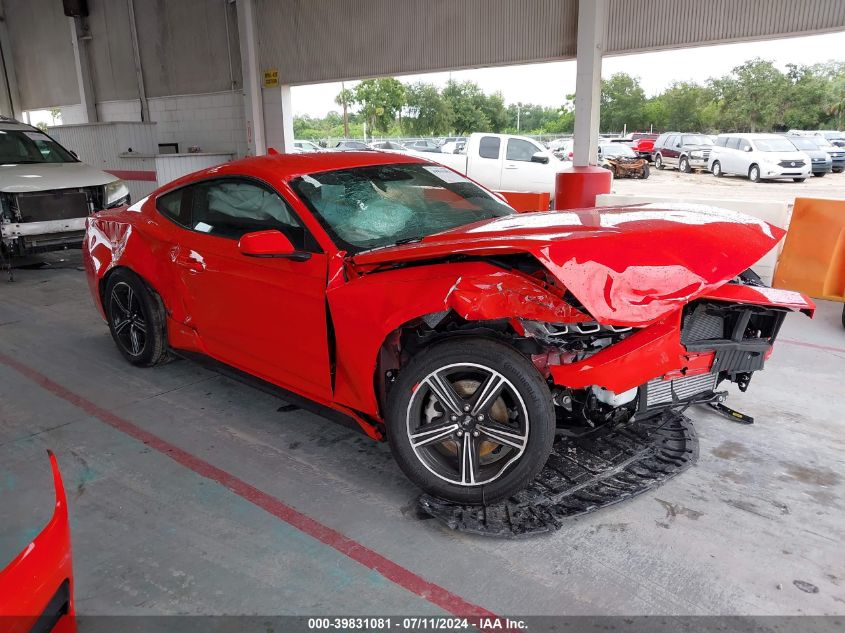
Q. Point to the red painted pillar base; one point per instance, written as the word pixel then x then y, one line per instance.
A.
pixel 577 187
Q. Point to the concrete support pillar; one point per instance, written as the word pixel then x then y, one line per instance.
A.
pixel 287 119
pixel 592 26
pixel 253 103
pixel 80 37
pixel 10 100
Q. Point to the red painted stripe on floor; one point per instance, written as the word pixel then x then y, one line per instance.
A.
pixel 810 345
pixel 133 174
pixel 394 572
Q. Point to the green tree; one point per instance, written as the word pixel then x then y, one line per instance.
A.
pixel 464 98
pixel 752 97
pixel 381 100
pixel 684 106
pixel 428 113
pixel 343 99
pixel 622 103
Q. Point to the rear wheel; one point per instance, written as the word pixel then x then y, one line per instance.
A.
pixel 470 421
pixel 754 173
pixel 136 319
pixel 658 161
pixel 716 169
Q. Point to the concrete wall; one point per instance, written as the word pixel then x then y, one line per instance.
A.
pixel 39 36
pixel 213 122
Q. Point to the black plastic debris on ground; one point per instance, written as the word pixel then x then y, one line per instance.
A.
pixel 582 475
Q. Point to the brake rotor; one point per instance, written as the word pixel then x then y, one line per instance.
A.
pixel 499 413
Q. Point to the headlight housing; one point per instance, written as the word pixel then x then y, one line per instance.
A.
pixel 117 194
pixel 696 154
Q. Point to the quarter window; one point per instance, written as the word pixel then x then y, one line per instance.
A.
pixel 170 205
pixel 489 147
pixel 521 150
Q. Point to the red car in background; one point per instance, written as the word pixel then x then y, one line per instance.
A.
pixel 403 295
pixel 36 588
pixel 643 144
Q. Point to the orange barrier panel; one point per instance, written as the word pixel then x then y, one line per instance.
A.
pixel 813 256
pixel 526 202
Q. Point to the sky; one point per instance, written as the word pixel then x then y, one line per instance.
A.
pixel 548 84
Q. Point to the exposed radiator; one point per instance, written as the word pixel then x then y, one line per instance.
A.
pixel 659 392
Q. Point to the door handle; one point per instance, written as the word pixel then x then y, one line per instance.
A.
pixel 511 167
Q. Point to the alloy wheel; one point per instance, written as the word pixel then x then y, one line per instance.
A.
pixel 467 424
pixel 127 319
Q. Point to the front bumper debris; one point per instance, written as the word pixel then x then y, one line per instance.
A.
pixel 582 475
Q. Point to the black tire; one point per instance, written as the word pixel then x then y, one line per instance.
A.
pixel 820 174
pixel 754 173
pixel 716 169
pixel 799 179
pixel 843 316
pixel 646 171
pixel 838 170
pixel 683 165
pixel 523 407
pixel 136 318
pixel 658 162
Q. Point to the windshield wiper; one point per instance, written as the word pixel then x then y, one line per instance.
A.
pixel 407 240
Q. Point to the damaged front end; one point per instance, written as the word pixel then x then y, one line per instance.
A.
pixel 624 167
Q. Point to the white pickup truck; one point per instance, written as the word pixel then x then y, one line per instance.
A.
pixel 504 162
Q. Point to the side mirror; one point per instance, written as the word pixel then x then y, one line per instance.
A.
pixel 541 158
pixel 74 154
pixel 270 243
pixel 747 148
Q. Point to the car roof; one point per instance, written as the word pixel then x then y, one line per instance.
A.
pixel 10 124
pixel 287 166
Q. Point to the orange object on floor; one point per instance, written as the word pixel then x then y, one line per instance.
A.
pixel 577 188
pixel 813 256
pixel 526 201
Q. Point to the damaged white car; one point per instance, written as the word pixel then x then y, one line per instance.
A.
pixel 46 193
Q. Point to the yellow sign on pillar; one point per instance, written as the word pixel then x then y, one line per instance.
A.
pixel 271 78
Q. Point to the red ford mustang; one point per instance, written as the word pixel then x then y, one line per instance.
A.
pixel 410 299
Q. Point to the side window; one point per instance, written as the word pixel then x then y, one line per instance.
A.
pixel 744 144
pixel 519 149
pixel 170 206
pixel 229 208
pixel 670 142
pixel 721 140
pixel 733 142
pixel 489 147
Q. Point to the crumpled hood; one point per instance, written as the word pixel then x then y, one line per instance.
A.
pixel 626 265
pixel 47 176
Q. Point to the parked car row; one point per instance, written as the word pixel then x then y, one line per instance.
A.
pixel 755 156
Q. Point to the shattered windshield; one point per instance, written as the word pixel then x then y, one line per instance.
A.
pixel 21 147
pixel 381 205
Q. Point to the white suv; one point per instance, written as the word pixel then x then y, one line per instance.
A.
pixel 758 157
pixel 46 193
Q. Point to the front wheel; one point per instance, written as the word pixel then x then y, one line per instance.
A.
pixel 716 169
pixel 646 171
pixel 470 421
pixel 799 179
pixel 684 165
pixel 819 174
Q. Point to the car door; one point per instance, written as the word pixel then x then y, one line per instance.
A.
pixel 672 150
pixel 485 165
pixel 265 316
pixel 519 172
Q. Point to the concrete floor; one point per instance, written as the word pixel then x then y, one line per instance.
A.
pixel 671 182
pixel 763 508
